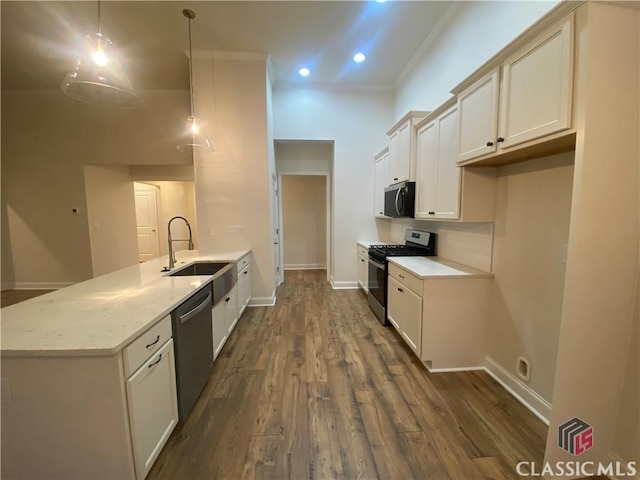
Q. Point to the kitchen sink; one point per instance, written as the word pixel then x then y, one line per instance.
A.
pixel 199 268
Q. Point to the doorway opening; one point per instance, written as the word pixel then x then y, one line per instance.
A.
pixel 304 221
pixel 156 203
pixel 305 204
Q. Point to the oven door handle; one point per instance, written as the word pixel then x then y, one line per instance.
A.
pixel 375 263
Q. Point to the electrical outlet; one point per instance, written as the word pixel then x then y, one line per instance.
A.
pixel 523 368
pixel 232 230
pixel 210 231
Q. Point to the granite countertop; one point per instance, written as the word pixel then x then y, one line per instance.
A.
pixel 102 315
pixel 437 267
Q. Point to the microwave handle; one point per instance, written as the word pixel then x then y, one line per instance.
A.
pixel 398 193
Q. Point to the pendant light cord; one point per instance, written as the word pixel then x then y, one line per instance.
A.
pixel 99 22
pixel 190 68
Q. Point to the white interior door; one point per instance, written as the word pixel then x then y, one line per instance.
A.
pixel 147 222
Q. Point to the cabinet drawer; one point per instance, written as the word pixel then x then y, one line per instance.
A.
pixel 364 251
pixel 405 278
pixel 244 262
pixel 146 345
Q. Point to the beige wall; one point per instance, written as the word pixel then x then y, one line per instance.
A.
pixel 533 206
pixel 233 184
pixel 111 217
pixel 304 221
pixel 47 139
pixel 601 283
pixel 176 199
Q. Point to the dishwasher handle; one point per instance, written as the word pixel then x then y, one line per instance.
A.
pixel 192 313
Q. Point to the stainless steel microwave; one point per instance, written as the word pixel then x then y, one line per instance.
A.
pixel 400 199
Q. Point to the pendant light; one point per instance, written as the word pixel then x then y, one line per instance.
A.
pixel 98 77
pixel 193 137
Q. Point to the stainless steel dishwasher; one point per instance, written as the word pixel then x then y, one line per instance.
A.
pixel 193 345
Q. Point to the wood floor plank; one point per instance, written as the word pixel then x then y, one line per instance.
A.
pixel 316 387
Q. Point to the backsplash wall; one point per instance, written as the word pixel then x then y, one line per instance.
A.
pixel 467 243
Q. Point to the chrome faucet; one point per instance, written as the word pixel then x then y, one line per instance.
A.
pixel 172 256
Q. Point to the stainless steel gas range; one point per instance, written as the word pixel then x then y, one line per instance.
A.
pixel 417 243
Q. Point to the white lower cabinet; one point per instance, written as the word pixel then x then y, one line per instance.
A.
pixel 244 289
pixel 231 309
pixel 441 319
pixel 219 325
pixel 363 267
pixel 405 313
pixel 153 407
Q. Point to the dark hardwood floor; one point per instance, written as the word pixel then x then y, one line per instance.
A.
pixel 317 388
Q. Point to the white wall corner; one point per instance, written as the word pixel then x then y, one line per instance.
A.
pixel 437 29
pixel 270 73
pixel 523 393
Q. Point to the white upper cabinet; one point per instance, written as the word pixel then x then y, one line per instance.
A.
pixel 402 138
pixel 478 126
pixel 445 191
pixel 529 96
pixel 382 159
pixel 437 175
pixel 536 91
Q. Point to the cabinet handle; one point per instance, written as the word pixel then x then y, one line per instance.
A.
pixel 400 290
pixel 500 140
pixel 381 213
pixel 431 213
pixel 227 299
pixel 489 144
pixel 246 271
pixel 157 361
pixel 396 178
pixel 362 259
pixel 401 276
pixel 154 342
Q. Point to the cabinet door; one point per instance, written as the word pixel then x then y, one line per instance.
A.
pixel 426 169
pixel 405 313
pixel 478 118
pixel 231 309
pixel 379 185
pixel 219 328
pixel 363 272
pixel 394 159
pixel 153 407
pixel 244 289
pixel 531 109
pixel 448 174
pixel 403 165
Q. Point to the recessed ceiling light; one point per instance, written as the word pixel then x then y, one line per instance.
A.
pixel 304 72
pixel 381 1
pixel 359 57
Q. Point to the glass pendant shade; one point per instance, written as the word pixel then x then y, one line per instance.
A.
pixel 98 77
pixel 193 137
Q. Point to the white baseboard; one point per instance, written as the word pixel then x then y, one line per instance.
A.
pixel 461 369
pixel 530 399
pixel 306 266
pixel 262 302
pixel 37 285
pixel 344 285
pixel 616 459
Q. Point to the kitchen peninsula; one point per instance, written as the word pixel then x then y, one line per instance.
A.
pixel 73 366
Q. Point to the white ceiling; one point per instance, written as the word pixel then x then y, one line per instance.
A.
pixel 38 38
